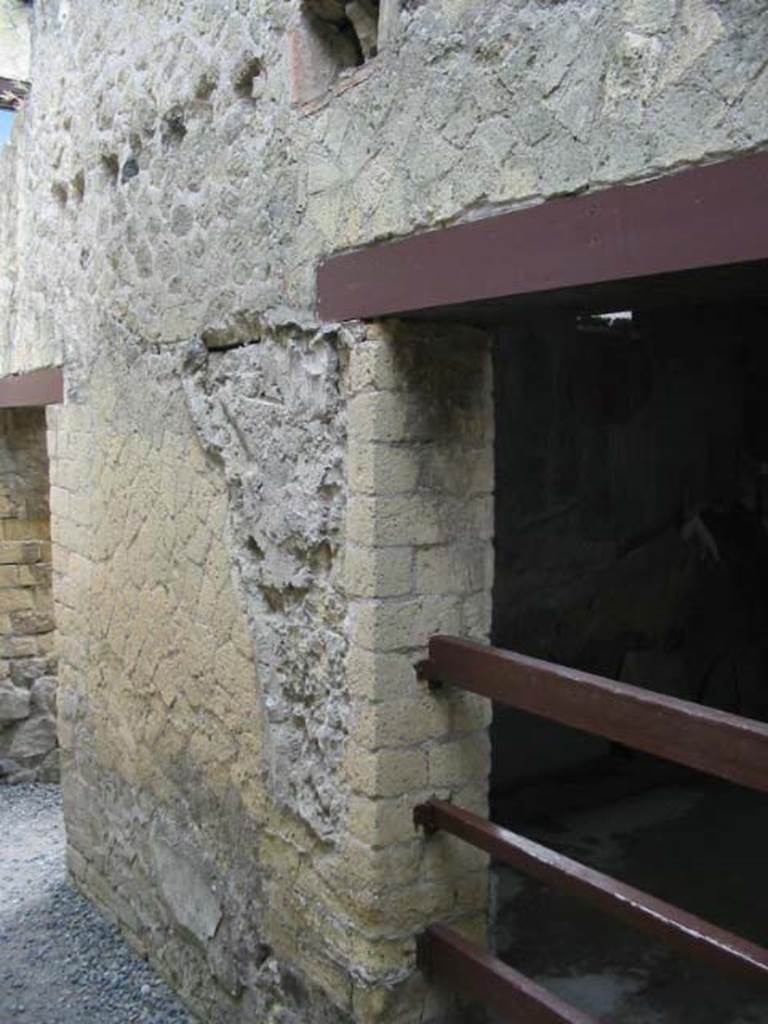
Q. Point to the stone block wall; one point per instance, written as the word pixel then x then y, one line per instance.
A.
pixel 14 40
pixel 418 561
pixel 161 707
pixel 243 733
pixel 28 747
pixel 258 519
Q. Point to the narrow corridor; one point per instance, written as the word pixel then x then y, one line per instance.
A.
pixel 62 962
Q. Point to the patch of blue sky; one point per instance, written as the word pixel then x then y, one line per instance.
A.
pixel 6 123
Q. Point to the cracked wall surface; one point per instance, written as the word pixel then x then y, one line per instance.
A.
pixel 258 519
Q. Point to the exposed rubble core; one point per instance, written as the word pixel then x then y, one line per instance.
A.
pixel 272 413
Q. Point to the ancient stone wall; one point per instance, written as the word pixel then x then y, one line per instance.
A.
pixel 14 39
pixel 215 802
pixel 258 519
pixel 418 561
pixel 28 748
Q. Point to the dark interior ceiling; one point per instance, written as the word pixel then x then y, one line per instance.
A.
pixel 747 282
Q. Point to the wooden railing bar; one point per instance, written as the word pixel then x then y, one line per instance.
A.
pixel 703 738
pixel 684 931
pixel 467 968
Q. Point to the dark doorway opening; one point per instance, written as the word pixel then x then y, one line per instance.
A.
pixel 632 542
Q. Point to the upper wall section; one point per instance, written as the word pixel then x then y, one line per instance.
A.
pixel 14 39
pixel 177 186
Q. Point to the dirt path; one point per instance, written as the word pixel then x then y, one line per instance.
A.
pixel 61 962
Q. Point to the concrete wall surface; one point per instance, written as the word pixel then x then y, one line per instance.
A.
pixel 257 518
pixel 14 40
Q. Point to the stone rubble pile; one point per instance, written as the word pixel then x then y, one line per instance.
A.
pixel 28 748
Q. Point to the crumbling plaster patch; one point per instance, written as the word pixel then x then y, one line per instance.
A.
pixel 273 414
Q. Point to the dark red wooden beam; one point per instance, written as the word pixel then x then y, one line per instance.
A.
pixel 710 741
pixel 38 387
pixel 684 931
pixel 464 967
pixel 708 217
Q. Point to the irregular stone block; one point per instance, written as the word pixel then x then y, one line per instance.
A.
pixel 8 768
pixel 27 622
pixel 14 552
pixel 43 695
pixel 186 889
pixel 18 646
pixel 49 770
pixel 9 576
pixel 14 703
pixel 23 775
pixel 26 671
pixel 25 529
pixel 16 599
pixel 34 739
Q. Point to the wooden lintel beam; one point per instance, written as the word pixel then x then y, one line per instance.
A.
pixel 38 387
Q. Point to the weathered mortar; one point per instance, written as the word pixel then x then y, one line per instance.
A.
pixel 251 547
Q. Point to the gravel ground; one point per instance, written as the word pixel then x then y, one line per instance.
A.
pixel 61 962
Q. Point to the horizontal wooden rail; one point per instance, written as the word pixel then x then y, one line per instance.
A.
pixel 686 932
pixel 471 970
pixel 711 741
